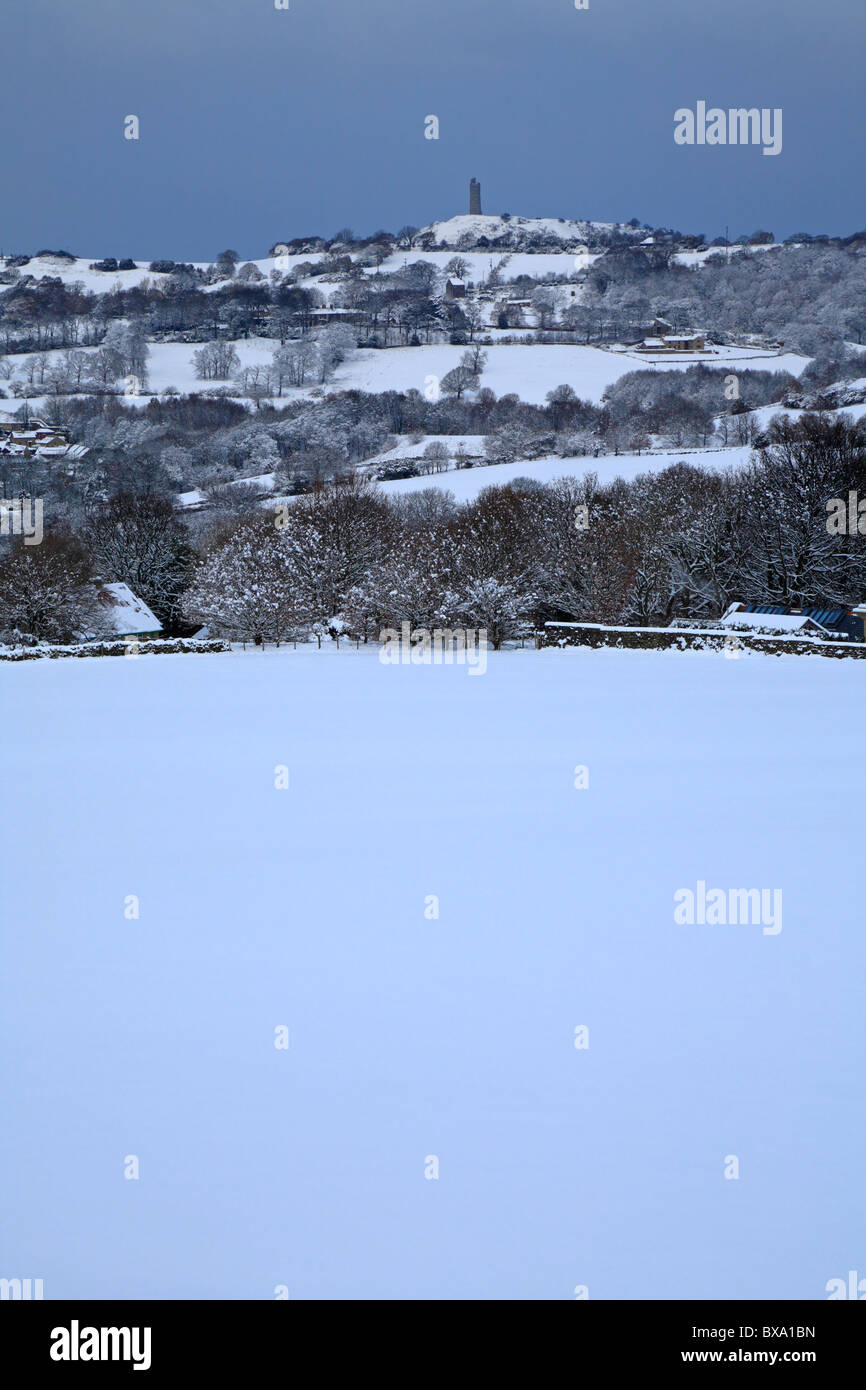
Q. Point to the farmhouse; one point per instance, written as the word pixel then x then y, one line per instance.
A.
pixel 325 317
pixel 455 289
pixel 673 342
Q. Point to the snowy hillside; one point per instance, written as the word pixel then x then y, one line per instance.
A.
pixel 77 271
pixel 414 1038
pixel 516 232
pixel 554 260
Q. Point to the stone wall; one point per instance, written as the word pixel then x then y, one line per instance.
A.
pixel 698 639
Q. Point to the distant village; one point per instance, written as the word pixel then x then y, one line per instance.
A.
pixel 36 439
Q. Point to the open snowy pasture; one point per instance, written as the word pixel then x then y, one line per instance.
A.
pixel 466 483
pixel 526 370
pixel 531 370
pixel 324 975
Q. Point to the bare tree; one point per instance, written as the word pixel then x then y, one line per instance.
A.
pixel 457 381
pixel 136 538
pixel 216 362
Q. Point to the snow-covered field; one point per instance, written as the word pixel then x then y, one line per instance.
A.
pixel 411 1037
pixel 466 483
pixel 471 444
pixel 172 364
pixel 696 258
pixel 510 263
pixel 97 281
pixel 527 370
pixel 765 413
pixel 530 371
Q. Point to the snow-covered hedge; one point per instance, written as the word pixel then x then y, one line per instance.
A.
pixel 155 647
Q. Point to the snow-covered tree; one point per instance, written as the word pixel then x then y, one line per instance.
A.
pixel 435 456
pixel 245 587
pixel 501 607
pixel 45 590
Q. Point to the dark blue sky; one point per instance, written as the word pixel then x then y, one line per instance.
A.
pixel 259 124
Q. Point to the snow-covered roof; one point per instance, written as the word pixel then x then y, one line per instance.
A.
pixel 123 612
pixel 195 498
pixel 770 622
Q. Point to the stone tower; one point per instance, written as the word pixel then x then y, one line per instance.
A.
pixel 474 198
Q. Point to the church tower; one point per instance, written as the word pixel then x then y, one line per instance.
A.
pixel 474 198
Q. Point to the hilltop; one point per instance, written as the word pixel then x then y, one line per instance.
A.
pixel 467 231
